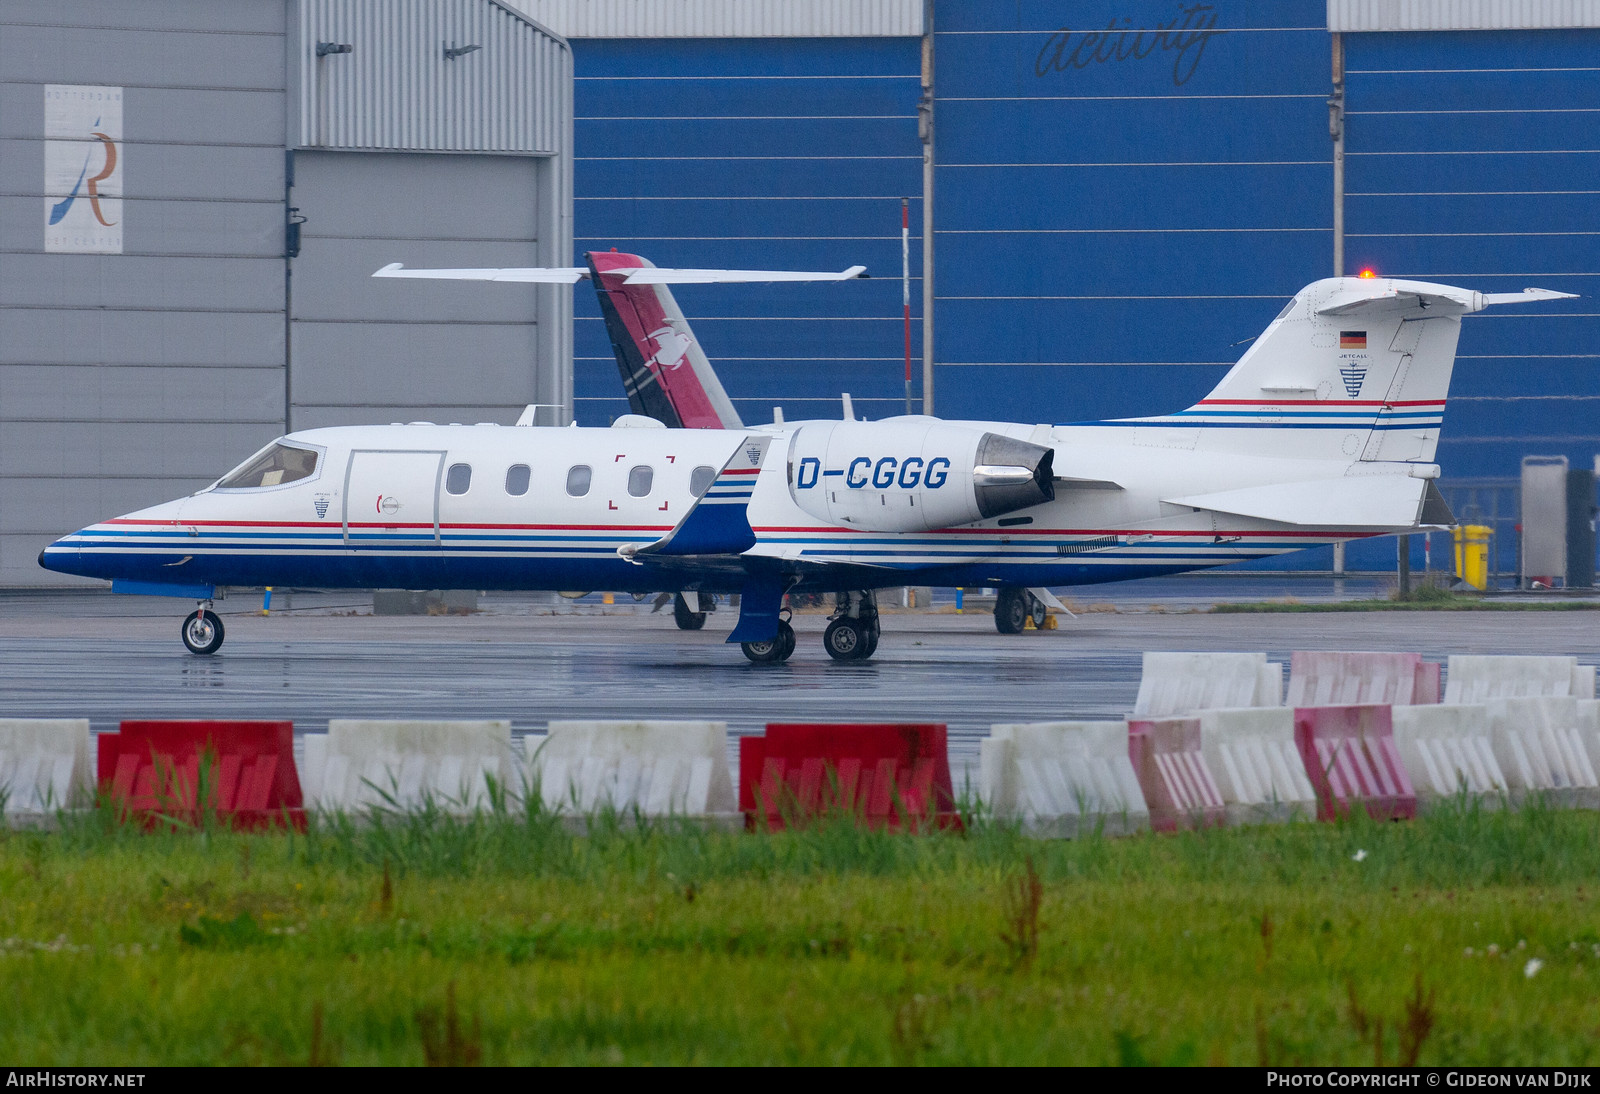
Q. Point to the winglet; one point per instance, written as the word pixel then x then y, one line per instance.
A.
pixel 718 524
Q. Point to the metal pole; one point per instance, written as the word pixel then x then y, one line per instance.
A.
pixel 1336 131
pixel 905 286
pixel 925 131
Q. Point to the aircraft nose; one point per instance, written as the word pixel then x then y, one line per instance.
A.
pixel 59 556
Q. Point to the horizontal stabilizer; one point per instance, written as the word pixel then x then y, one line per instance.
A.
pixel 562 275
pixel 1360 501
pixel 718 523
pixel 1361 295
pixel 1526 295
pixel 643 275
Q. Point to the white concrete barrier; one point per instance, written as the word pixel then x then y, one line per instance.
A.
pixel 1448 748
pixel 45 764
pixel 1062 778
pixel 1253 757
pixel 1474 678
pixel 1539 744
pixel 656 768
pixel 362 763
pixel 1325 678
pixel 1174 684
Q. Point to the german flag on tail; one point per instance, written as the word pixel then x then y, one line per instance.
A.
pixel 1352 339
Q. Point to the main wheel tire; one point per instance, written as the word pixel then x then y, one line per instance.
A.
pixel 1038 611
pixel 872 640
pixel 1011 611
pixel 844 640
pixel 681 615
pixel 202 632
pixel 772 650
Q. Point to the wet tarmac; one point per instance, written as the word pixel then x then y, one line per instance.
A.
pixel 108 658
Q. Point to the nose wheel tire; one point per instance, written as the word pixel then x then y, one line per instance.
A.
pixel 686 620
pixel 202 632
pixel 1038 611
pixel 776 649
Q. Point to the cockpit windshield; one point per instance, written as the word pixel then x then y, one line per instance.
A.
pixel 277 465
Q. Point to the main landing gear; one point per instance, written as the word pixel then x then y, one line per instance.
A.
pixel 773 649
pixel 1014 607
pixel 202 631
pixel 852 633
pixel 853 630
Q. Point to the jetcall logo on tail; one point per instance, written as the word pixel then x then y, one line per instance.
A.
pixel 83 169
pixel 1354 369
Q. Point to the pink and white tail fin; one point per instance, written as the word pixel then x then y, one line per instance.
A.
pixel 664 370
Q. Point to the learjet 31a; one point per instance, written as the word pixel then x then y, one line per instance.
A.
pixel 1324 431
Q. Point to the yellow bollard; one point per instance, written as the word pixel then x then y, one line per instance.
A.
pixel 608 598
pixel 1472 554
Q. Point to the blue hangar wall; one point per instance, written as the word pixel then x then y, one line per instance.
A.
pixel 1473 158
pixel 1114 216
pixel 760 153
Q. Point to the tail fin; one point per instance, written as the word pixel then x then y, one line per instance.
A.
pixel 664 370
pixel 1355 368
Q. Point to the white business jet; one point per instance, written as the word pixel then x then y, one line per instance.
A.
pixel 1324 431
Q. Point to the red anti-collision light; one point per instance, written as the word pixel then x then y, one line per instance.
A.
pixel 1368 272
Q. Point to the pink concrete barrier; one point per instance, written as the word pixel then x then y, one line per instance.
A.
pixel 1172 771
pixel 1352 761
pixel 1328 678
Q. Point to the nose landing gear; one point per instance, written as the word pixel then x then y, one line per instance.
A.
pixel 203 632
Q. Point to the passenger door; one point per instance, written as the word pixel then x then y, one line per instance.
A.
pixel 391 498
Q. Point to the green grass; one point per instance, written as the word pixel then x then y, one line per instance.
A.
pixel 508 939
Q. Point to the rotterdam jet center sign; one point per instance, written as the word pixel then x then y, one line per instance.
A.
pixel 83 166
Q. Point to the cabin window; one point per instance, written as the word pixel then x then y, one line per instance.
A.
pixel 517 480
pixel 640 479
pixel 458 478
pixel 578 481
pixel 276 466
pixel 700 480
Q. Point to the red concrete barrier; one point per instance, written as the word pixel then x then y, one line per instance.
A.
pixel 1177 782
pixel 1352 761
pixel 153 770
pixel 894 776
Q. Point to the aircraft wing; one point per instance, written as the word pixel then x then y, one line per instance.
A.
pixel 642 275
pixel 1362 501
pixel 717 523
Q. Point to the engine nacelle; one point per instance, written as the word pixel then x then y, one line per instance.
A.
pixel 913 474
